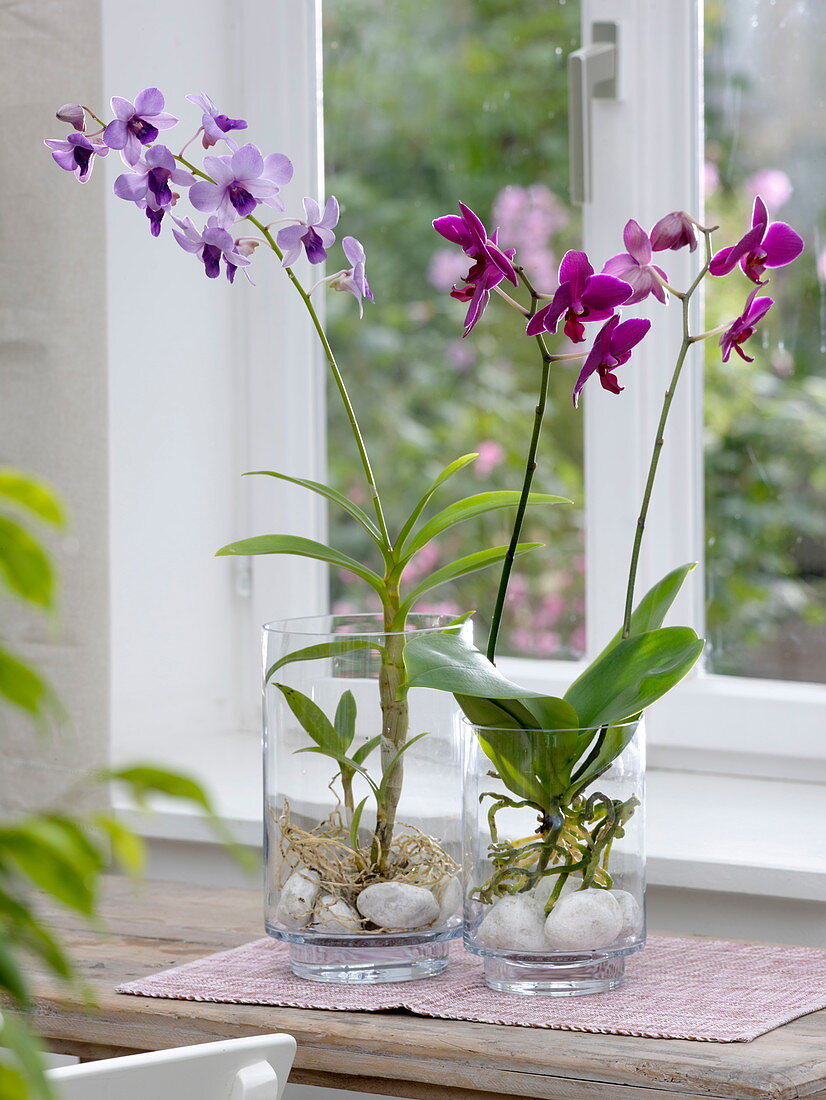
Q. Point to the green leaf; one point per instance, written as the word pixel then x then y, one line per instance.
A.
pixel 50 857
pixel 552 713
pixel 354 824
pixel 363 751
pixel 12 981
pixel 32 494
pixel 303 548
pixel 338 648
pixel 22 686
pixel 331 494
pixel 345 721
pixel 24 564
pixel 313 720
pixel 16 1037
pixel 128 849
pixel 23 925
pixel 496 713
pixel 12 1084
pixel 655 604
pixel 510 752
pixel 145 779
pixel 633 675
pixel 472 563
pixel 450 663
pixel 613 741
pixel 448 472
pixel 478 505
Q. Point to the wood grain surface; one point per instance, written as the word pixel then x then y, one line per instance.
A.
pixel 160 925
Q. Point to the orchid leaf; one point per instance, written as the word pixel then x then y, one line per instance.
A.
pixel 496 713
pixel 358 514
pixel 450 663
pixel 448 472
pixel 634 674
pixel 345 720
pixel 313 720
pixel 356 822
pixel 363 751
pixel 340 647
pixel 32 494
pixel 478 505
pixel 652 609
pixel 510 752
pixel 303 548
pixel 472 563
pixel 612 741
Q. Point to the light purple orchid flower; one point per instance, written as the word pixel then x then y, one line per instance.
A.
pixel 491 264
pixel 742 328
pixel 137 123
pixel 674 231
pixel 581 296
pixel 77 153
pixel 148 184
pixel 215 125
pixel 634 266
pixel 242 180
pixel 211 245
pixel 763 246
pixel 612 347
pixel 315 234
pixel 74 114
pixel 352 279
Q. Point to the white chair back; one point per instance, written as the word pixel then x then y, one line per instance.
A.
pixel 238 1069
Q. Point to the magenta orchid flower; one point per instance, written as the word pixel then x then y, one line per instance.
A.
pixel 581 296
pixel 352 279
pixel 315 234
pixel 634 266
pixel 147 185
pixel 742 328
pixel 137 123
pixel 491 264
pixel 211 246
pixel 77 153
pixel 215 125
pixel 763 246
pixel 675 230
pixel 612 347
pixel 242 180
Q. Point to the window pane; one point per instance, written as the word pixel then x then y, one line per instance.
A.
pixel 429 102
pixel 766 444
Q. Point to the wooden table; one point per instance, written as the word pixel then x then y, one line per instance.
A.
pixel 166 924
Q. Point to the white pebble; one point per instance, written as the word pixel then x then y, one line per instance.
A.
pixel 631 913
pixel 583 921
pixel 544 888
pixel 397 905
pixel 449 896
pixel 295 905
pixel 513 924
pixel 332 914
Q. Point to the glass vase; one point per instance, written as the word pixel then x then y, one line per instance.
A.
pixel 554 867
pixel 362 802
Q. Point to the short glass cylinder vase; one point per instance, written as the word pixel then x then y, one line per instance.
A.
pixel 362 802
pixel 553 853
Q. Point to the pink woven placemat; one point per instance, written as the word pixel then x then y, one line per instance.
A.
pixel 711 990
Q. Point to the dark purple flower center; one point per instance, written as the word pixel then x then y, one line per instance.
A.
pixel 82 157
pixel 316 251
pixel 225 123
pixel 155 219
pixel 157 181
pixel 144 131
pixel 211 257
pixel 241 199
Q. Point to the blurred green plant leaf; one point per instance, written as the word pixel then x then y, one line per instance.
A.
pixel 31 493
pixel 22 686
pixel 24 564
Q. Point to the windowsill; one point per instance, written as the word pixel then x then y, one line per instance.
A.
pixel 704 832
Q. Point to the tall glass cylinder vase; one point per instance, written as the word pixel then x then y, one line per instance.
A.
pixel 554 858
pixel 362 802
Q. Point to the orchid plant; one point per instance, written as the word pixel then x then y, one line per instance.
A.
pixel 548 751
pixel 236 189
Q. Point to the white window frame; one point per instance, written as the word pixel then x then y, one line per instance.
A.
pixel 647 150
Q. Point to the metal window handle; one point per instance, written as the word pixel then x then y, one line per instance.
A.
pixel 592 74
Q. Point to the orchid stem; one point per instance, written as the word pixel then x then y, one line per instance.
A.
pixel 512 302
pixel 530 469
pixel 659 439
